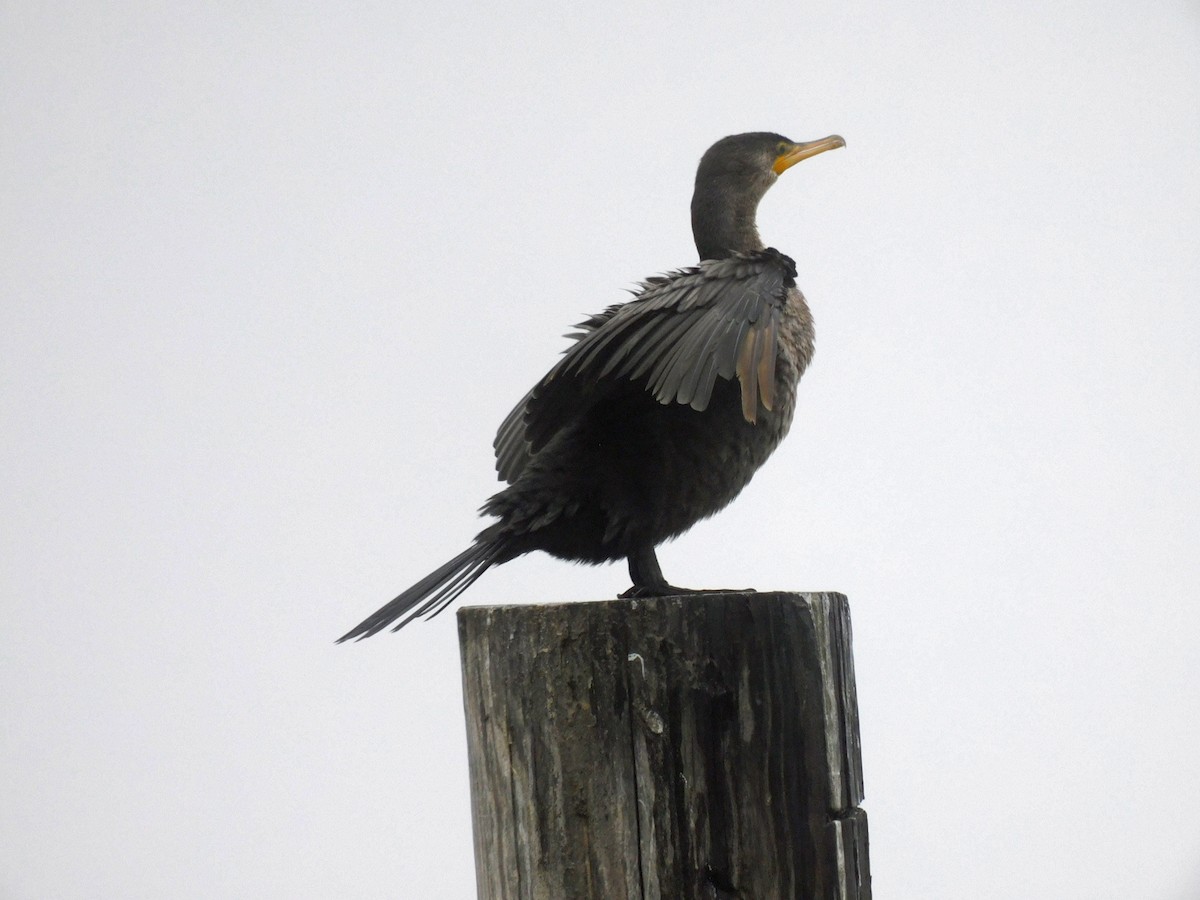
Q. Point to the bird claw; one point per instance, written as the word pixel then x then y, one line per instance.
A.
pixel 641 591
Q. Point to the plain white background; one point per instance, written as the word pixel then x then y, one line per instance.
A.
pixel 273 273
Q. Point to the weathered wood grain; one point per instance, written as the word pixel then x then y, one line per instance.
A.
pixel 678 747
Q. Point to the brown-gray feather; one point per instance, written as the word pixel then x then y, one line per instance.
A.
pixel 680 332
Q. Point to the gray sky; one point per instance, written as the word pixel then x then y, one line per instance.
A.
pixel 272 275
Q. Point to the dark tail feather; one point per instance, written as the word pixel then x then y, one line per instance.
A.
pixel 438 590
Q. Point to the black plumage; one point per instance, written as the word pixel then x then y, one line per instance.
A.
pixel 663 408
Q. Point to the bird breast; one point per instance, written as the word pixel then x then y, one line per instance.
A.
pixel 795 352
pixel 715 454
pixel 796 336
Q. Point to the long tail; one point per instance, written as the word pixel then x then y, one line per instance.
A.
pixel 438 590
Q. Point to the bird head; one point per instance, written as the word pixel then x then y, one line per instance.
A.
pixel 733 176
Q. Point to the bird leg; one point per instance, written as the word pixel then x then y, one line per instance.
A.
pixel 648 580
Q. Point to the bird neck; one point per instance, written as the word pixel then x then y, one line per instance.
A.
pixel 724 222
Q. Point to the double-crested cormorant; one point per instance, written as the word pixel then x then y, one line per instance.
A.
pixel 664 407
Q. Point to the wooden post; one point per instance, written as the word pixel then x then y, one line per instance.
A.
pixel 676 747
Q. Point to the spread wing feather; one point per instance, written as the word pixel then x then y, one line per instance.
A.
pixel 512 450
pixel 680 332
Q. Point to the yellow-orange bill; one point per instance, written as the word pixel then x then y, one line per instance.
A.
pixel 797 152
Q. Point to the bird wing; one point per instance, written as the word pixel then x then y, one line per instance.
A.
pixel 678 334
pixel 511 444
pixel 512 450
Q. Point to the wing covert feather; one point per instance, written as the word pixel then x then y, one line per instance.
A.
pixel 679 333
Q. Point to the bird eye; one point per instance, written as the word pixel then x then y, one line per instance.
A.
pixel 782 147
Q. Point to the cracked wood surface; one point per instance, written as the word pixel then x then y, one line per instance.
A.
pixel 680 747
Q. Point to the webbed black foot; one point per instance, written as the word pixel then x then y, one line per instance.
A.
pixel 654 590
pixel 669 590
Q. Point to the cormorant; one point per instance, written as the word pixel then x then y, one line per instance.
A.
pixel 663 408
